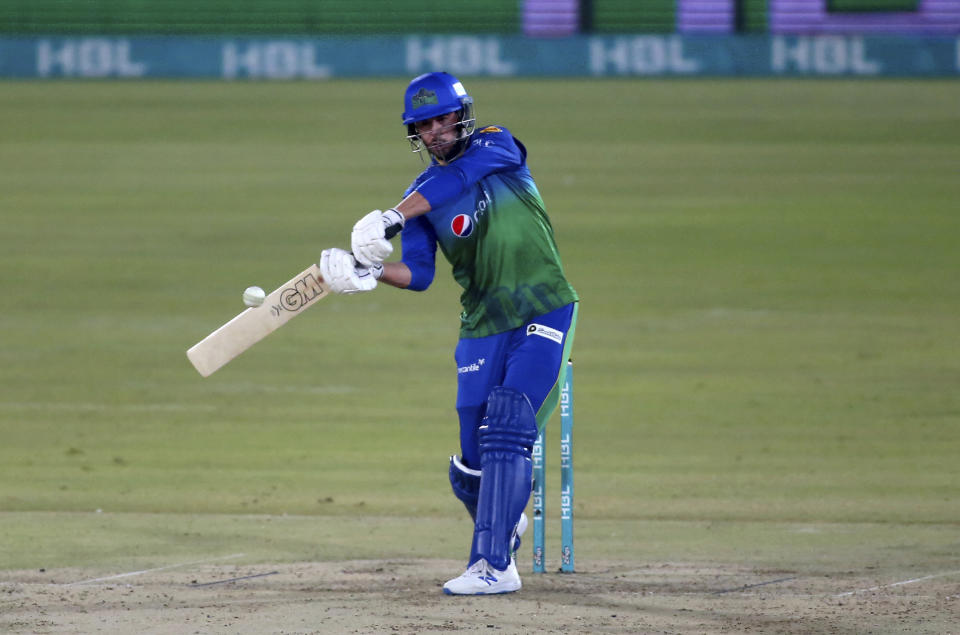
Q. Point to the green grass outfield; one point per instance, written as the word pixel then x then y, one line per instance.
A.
pixel 766 362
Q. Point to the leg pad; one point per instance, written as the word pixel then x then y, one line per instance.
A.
pixel 507 435
pixel 510 424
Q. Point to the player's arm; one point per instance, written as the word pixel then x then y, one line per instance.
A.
pixel 493 150
pixel 396 274
pixel 416 270
pixel 413 205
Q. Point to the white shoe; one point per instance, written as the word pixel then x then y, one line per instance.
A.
pixel 482 579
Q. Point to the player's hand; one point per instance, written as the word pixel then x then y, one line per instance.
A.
pixel 369 240
pixel 343 275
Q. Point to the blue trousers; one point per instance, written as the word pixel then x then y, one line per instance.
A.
pixel 531 359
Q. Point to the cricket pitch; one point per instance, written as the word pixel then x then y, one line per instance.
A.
pixel 388 596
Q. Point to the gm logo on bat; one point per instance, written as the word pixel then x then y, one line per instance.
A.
pixel 304 291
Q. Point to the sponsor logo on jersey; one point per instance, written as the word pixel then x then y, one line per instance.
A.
pixel 462 225
pixel 545 331
pixel 471 368
pixel 423 97
pixel 491 129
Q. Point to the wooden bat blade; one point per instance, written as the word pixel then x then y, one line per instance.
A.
pixel 252 325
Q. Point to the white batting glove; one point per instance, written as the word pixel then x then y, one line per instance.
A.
pixel 368 239
pixel 343 275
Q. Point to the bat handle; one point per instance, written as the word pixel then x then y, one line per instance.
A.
pixel 392 230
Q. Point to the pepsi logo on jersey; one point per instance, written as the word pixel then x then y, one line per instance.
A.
pixel 462 225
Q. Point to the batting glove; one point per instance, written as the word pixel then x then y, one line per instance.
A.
pixel 343 275
pixel 369 237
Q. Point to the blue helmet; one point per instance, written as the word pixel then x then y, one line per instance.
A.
pixel 432 95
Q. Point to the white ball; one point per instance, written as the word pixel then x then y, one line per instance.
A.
pixel 253 296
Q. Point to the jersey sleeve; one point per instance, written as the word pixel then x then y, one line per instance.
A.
pixel 491 149
pixel 419 252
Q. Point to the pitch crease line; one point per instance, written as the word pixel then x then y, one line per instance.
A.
pixel 171 566
pixel 893 584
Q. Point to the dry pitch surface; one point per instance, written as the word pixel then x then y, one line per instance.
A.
pixel 404 596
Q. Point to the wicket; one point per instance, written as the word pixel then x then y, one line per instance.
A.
pixel 566 484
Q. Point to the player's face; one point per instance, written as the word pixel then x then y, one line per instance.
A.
pixel 439 134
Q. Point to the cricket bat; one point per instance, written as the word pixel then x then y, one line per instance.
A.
pixel 249 327
pixel 293 298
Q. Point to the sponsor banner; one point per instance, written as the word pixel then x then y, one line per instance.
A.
pixel 317 58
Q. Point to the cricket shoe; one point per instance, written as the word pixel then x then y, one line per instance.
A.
pixel 482 579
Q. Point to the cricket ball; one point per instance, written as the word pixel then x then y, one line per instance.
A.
pixel 253 296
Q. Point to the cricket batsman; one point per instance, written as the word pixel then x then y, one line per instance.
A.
pixel 478 202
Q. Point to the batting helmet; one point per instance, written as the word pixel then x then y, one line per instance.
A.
pixel 432 95
pixel 435 94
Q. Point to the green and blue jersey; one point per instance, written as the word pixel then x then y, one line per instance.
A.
pixel 489 221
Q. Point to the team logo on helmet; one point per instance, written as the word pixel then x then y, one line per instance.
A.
pixel 462 225
pixel 423 97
